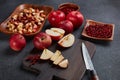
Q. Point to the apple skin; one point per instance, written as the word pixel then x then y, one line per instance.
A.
pixel 55 33
pixel 66 25
pixel 42 41
pixel 76 18
pixel 56 38
pixel 17 42
pixel 55 17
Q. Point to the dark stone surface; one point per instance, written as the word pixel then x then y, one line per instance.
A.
pixel 106 59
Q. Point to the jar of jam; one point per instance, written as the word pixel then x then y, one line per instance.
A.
pixel 68 7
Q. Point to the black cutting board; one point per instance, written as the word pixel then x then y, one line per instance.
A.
pixel 75 70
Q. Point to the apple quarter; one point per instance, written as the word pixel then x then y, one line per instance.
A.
pixel 58 60
pixel 56 55
pixel 67 40
pixel 46 54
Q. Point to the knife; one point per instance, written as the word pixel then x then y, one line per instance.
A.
pixel 88 63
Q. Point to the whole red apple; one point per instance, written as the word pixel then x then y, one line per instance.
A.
pixel 17 42
pixel 66 25
pixel 76 18
pixel 42 41
pixel 55 17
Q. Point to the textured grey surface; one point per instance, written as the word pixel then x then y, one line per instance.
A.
pixel 106 59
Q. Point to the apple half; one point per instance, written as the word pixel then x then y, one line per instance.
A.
pixel 64 63
pixel 46 54
pixel 67 41
pixel 55 33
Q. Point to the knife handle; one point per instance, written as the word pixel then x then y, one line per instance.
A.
pixel 94 75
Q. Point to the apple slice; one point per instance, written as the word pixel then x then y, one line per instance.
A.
pixel 64 63
pixel 56 55
pixel 67 40
pixel 58 60
pixel 46 54
pixel 55 33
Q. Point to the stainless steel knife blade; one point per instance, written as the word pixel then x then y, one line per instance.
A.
pixel 87 59
pixel 88 63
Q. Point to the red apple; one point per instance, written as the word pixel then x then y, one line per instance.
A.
pixel 17 42
pixel 66 25
pixel 55 33
pixel 76 18
pixel 55 17
pixel 42 41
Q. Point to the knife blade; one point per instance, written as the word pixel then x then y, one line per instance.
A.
pixel 88 63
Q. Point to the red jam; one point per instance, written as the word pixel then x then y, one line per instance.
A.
pixel 67 10
pixel 33 59
pixel 99 31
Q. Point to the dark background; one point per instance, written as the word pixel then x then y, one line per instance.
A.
pixel 106 59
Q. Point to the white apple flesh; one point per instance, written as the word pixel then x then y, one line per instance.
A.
pixel 46 54
pixel 55 33
pixel 67 41
pixel 58 60
pixel 64 63
pixel 56 55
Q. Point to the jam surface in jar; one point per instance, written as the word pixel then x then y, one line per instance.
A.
pixel 68 7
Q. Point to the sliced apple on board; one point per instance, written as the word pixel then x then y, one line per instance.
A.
pixel 56 55
pixel 67 41
pixel 55 33
pixel 46 54
pixel 58 60
pixel 64 63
